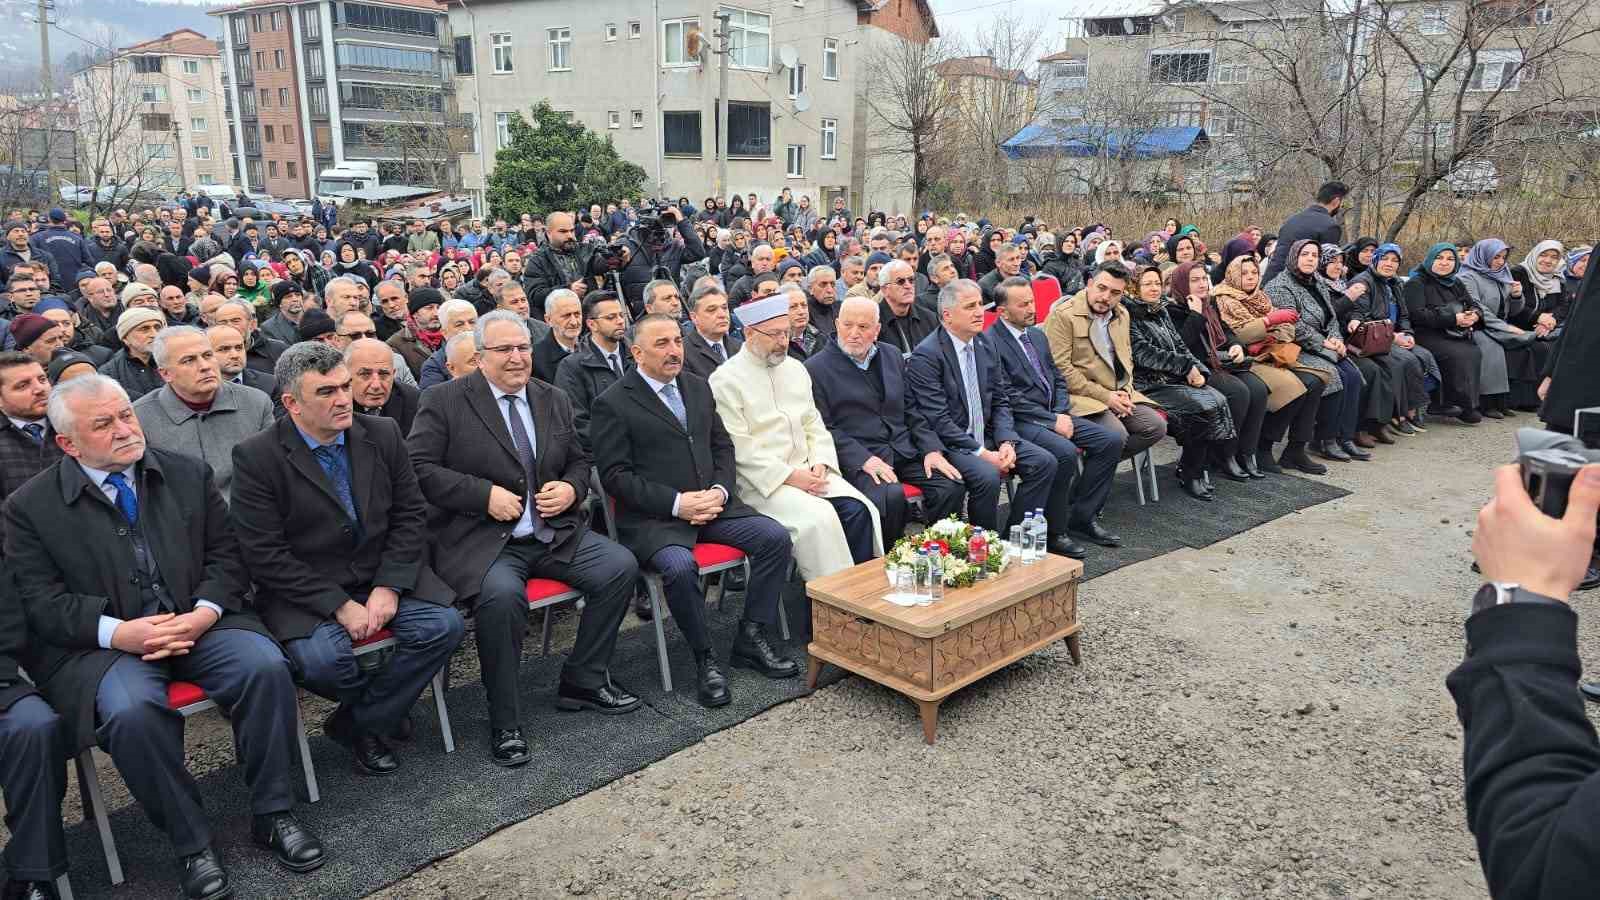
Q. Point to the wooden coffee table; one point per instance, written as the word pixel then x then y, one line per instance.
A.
pixel 929 652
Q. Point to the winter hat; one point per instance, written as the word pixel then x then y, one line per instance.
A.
pixel 138 315
pixel 201 273
pixel 29 327
pixel 315 324
pixel 63 360
pixel 136 289
pixel 282 289
pixel 879 258
pixel 49 303
pixel 423 297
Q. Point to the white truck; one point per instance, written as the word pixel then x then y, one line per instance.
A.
pixel 352 175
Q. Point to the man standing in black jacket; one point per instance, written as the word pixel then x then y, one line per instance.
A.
pixel 562 263
pixel 1314 223
pixel 1532 765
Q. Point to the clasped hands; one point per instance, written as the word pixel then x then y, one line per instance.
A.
pixel 1004 459
pixel 813 481
pixel 552 500
pixel 700 507
pixel 362 622
pixel 160 636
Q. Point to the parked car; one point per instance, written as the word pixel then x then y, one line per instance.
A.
pixel 1472 177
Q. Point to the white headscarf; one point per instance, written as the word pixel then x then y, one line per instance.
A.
pixel 1544 284
pixel 1100 250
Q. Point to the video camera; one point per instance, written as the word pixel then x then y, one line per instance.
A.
pixel 1550 461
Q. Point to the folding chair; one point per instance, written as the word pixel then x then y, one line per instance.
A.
pixel 1143 464
pixel 919 510
pixel 385 639
pixel 186 699
pixel 709 558
pixel 546 593
pixel 1046 291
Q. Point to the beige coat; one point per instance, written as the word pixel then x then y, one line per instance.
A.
pixel 1249 327
pixel 773 420
pixel 1090 379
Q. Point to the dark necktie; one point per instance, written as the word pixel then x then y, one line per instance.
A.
pixel 1033 360
pixel 719 353
pixel 127 503
pixel 519 438
pixel 337 466
pixel 35 431
pixel 614 363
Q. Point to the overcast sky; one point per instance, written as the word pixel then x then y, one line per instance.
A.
pixel 967 15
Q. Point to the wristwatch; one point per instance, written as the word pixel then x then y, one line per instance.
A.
pixel 1496 593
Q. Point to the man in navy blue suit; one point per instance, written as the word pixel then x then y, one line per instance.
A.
pixel 860 389
pixel 957 385
pixel 1039 408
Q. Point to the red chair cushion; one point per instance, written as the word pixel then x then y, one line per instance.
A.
pixel 385 634
pixel 545 588
pixel 911 491
pixel 715 554
pixel 183 693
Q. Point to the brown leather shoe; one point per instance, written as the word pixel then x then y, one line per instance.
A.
pixel 1365 441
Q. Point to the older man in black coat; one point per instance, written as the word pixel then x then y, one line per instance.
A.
pixel 883 442
pixel 667 460
pixel 31 773
pixel 131 579
pixel 333 528
pixel 498 460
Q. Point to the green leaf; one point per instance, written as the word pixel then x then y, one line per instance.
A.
pixel 552 164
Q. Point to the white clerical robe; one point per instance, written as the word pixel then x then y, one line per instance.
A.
pixel 772 417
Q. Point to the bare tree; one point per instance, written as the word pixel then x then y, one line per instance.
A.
pixel 426 133
pixel 993 95
pixel 907 110
pixel 125 148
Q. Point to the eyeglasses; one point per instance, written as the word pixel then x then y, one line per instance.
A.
pixel 358 335
pixel 910 280
pixel 510 349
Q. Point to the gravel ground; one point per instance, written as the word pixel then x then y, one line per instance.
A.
pixel 1262 718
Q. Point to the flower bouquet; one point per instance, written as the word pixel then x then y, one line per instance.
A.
pixel 953 539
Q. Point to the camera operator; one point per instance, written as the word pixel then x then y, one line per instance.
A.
pixel 649 249
pixel 1532 764
pixel 563 262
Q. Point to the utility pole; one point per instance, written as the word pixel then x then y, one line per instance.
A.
pixel 47 83
pixel 723 126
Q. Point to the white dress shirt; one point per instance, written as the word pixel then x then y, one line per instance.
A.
pixel 525 524
pixel 657 387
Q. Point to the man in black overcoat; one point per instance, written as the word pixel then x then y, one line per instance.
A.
pixel 31 773
pixel 131 579
pixel 498 459
pixel 667 461
pixel 334 531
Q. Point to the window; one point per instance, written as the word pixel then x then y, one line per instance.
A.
pixel 157 151
pixel 614 119
pixel 276 20
pixel 291 170
pixel 502 130
pixel 201 151
pixel 283 96
pixel 830 138
pixel 191 67
pixel 317 99
pixel 750 37
pixel 314 61
pixel 197 123
pixel 1496 70
pixel 155 122
pixel 311 22
pixel 464 55
pixel 1236 28
pixel 288 134
pixel 1513 13
pixel 152 93
pixel 1435 19
pixel 253 167
pixel 638 119
pixel 749 130
pixel 147 65
pixel 247 104
pixel 830 59
pixel 241 30
pixel 797 81
pixel 1180 115
pixel 272 168
pixel 795 157
pixel 241 64
pixel 1226 123
pixel 1177 21
pixel 611 31
pixel 390 59
pixel 634 31
pixel 266 98
pixel 680 133
pixel 560 41
pixel 356 95
pixel 388 18
pixel 500 44
pixel 195 95
pixel 470 126
pixel 1233 73
pixel 206 178
pixel 268 132
pixel 675 41
pixel 255 22
pixel 277 60
pixel 1180 68
pixel 261 60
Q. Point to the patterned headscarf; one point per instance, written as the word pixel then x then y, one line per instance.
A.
pixel 1544 284
pixel 1481 257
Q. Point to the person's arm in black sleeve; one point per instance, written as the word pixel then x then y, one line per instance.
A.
pixel 693 247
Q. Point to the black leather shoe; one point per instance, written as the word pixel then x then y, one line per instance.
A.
pixel 752 650
pixel 1195 488
pixel 1330 450
pixel 1351 450
pixel 712 685
pixel 1492 414
pixel 1247 462
pixel 402 732
pixel 1590 690
pixel 1066 546
pixel 608 698
pixel 30 890
pixel 292 844
pixel 1231 470
pixel 372 756
pixel 507 748
pixel 204 878
pixel 1267 464
pixel 1470 417
pixel 1294 457
pixel 1095 533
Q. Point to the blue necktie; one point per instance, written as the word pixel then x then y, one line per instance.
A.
pixel 675 403
pixel 36 431
pixel 1027 349
pixel 334 463
pixel 126 501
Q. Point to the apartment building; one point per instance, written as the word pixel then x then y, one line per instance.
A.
pixel 646 75
pixel 168 93
pixel 313 85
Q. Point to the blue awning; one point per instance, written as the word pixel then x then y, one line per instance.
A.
pixel 1043 140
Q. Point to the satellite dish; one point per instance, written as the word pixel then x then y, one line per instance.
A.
pixel 802 102
pixel 1127 26
pixel 787 55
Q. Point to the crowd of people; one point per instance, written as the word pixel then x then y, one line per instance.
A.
pixel 234 449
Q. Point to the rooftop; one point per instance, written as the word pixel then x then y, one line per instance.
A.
pixel 1043 140
pixel 431 5
pixel 183 42
pixel 981 66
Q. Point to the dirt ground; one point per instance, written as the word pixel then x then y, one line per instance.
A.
pixel 1265 717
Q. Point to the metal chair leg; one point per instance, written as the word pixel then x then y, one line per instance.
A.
pixel 544 649
pixel 312 794
pixel 444 711
pixel 659 608
pixel 1138 478
pixel 94 804
pixel 783 616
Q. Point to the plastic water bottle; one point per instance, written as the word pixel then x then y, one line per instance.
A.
pixel 935 576
pixel 1022 539
pixel 1041 535
pixel 921 567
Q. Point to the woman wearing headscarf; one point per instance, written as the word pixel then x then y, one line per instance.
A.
pixel 349 262
pixel 1572 275
pixel 962 257
pixel 1293 391
pixel 304 272
pixel 1210 339
pixel 1241 245
pixel 253 290
pixel 1487 277
pixel 1167 372
pixel 993 240
pixel 1266 246
pixel 1104 252
pixel 1377 392
pixel 1408 364
pixel 1545 302
pixel 1445 319
pixel 1358 256
pixel 1181 248
pixel 1317 331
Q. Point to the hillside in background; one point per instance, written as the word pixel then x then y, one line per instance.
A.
pixel 85 28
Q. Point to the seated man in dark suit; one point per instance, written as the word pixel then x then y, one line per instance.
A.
pixel 333 529
pixel 563 312
pixel 31 774
pixel 668 462
pixel 499 462
pixel 1040 407
pixel 372 379
pixel 599 362
pixel 131 578
pixel 707 342
pixel 956 383
pixel 860 389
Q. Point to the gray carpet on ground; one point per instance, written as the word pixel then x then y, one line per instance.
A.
pixel 380 830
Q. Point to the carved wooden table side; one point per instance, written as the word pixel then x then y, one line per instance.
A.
pixel 929 652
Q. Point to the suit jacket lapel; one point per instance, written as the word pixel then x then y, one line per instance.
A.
pixel 948 347
pixel 303 462
pixel 543 415
pixel 362 454
pixel 169 549
pixel 641 393
pixel 481 398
